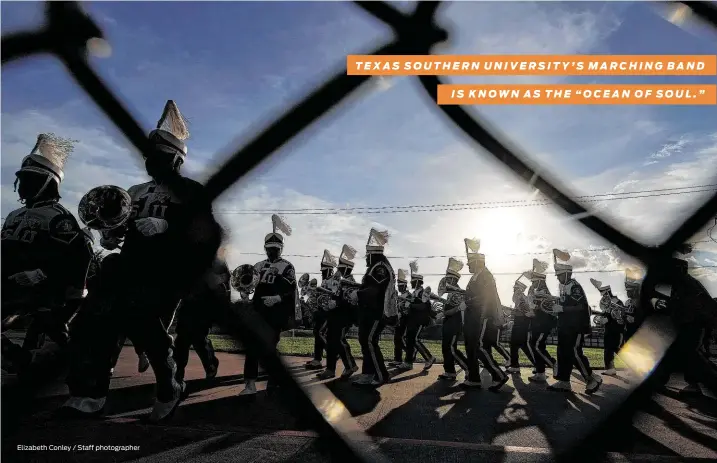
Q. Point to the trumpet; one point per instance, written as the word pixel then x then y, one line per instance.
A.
pixel 546 303
pixel 244 279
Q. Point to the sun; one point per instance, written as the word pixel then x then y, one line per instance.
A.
pixel 498 230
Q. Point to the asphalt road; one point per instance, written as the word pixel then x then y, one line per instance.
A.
pixel 416 417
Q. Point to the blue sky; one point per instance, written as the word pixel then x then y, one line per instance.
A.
pixel 232 66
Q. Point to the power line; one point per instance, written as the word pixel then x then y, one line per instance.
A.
pixel 471 206
pixel 520 273
pixel 454 255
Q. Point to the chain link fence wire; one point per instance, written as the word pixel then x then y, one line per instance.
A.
pixel 70 35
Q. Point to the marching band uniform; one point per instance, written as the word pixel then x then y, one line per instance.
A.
pixel 520 334
pixel 377 299
pixel 321 322
pixel 542 323
pixel 452 322
pixel 45 254
pixel 573 324
pixel 399 334
pixel 169 213
pixel 310 303
pixel 207 303
pixel 481 315
pixel 633 312
pixel 273 296
pixel 613 323
pixel 339 317
pixel 419 316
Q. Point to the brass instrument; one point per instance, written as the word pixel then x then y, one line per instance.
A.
pixel 105 207
pixel 244 279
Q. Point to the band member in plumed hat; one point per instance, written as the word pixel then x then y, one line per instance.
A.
pixel 419 316
pixel 399 335
pixel 274 295
pixel 543 323
pixel 453 311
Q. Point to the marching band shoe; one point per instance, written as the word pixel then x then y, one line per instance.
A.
pixel 82 407
pixel 561 386
pixel 555 370
pixel 326 374
pixel 314 365
pixel 362 380
pixel 213 369
pixel 112 371
pixel 610 372
pixel 348 372
pixel 448 376
pixel 163 410
pixel 593 384
pixel 405 366
pixel 470 384
pixel 538 378
pixel 427 366
pixel 249 388
pixel 512 370
pixel 692 389
pixel 496 385
pixel 143 363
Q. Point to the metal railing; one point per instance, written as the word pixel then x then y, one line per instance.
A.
pixel 67 34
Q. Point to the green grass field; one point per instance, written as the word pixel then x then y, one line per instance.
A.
pixel 304 346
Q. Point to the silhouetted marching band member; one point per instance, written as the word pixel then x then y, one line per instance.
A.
pixel 273 297
pixel 45 254
pixel 320 318
pixel 419 317
pixel 453 311
pixel 399 334
pixel 339 316
pixel 376 298
pixel 168 243
pixel 573 324
pixel 481 319
pixel 543 323
pixel 520 333
pixel 613 322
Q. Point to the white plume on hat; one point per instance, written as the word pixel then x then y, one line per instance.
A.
pixel 633 276
pixel 563 256
pixel 347 256
pixel 413 265
pixel 328 260
pixel 173 121
pixel 539 266
pixel 472 250
pixel 377 240
pixel 51 152
pixel 454 267
pixel 402 276
pixel 275 239
pixel 598 285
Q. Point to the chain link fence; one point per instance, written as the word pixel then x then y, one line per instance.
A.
pixel 70 35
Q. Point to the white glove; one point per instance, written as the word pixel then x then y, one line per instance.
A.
pixel 462 306
pixel 557 308
pixel 271 300
pixel 110 243
pixel 28 277
pixel 150 226
pixel 630 319
pixel 332 305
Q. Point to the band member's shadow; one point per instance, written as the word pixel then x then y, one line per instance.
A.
pixel 681 426
pixel 357 400
pixel 444 411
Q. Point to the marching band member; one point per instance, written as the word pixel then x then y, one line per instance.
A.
pixel 543 323
pixel 310 303
pixel 633 313
pixel 452 322
pixel 208 302
pixel 480 330
pixel 419 316
pixel 321 324
pixel 520 334
pixel 169 214
pixel 399 335
pixel 273 296
pixel 573 324
pixel 377 298
pixel 340 317
pixel 613 323
pixel 45 254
